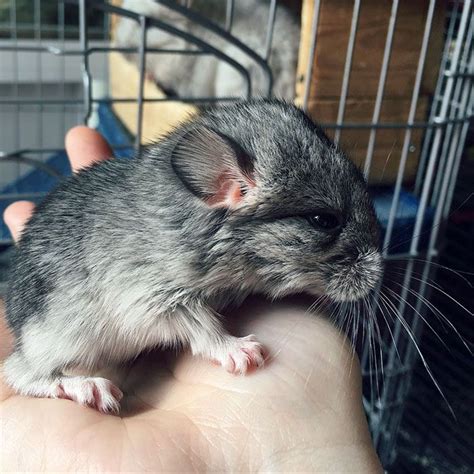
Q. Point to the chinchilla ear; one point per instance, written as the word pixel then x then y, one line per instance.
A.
pixel 213 167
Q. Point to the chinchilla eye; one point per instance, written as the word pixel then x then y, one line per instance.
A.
pixel 325 221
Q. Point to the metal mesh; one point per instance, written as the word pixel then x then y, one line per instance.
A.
pixel 55 74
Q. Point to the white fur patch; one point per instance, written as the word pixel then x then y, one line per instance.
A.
pixel 358 279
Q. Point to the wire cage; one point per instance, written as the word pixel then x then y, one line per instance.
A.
pixel 56 72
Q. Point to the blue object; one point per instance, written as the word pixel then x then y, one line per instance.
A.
pixel 114 132
pixel 38 181
pixel 404 219
pixel 35 181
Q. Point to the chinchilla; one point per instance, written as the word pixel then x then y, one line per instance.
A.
pixel 128 255
pixel 205 75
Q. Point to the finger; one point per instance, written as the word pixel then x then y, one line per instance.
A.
pixel 86 146
pixel 16 216
pixel 6 346
pixel 6 337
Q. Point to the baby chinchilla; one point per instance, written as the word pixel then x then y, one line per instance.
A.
pixel 133 254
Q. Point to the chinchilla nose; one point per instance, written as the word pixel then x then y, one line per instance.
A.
pixel 348 254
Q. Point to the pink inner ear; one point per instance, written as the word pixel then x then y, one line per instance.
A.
pixel 229 192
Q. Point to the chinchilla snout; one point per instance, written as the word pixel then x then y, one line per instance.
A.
pixel 354 278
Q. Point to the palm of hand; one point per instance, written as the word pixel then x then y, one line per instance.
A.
pixel 301 411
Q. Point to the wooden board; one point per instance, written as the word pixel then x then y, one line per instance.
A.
pixel 388 142
pixel 361 110
pixel 307 9
pixel 385 163
pixel 159 118
pixel 332 39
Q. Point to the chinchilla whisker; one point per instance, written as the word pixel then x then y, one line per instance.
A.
pixel 355 317
pixel 346 319
pixel 378 332
pixel 373 358
pixel 459 273
pixel 405 300
pixel 368 324
pixel 411 336
pixel 317 304
pixel 433 283
pixel 343 322
pixel 313 305
pixel 397 297
pixel 363 327
pixel 438 288
pixel 355 323
pixel 443 318
pixel 372 335
pixel 349 325
pixel 392 337
pixel 336 316
pixel 437 312
pixel 419 295
pixel 389 155
pixel 381 304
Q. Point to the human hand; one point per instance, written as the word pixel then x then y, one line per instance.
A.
pixel 301 412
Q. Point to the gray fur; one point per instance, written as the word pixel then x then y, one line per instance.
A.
pixel 197 76
pixel 124 256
